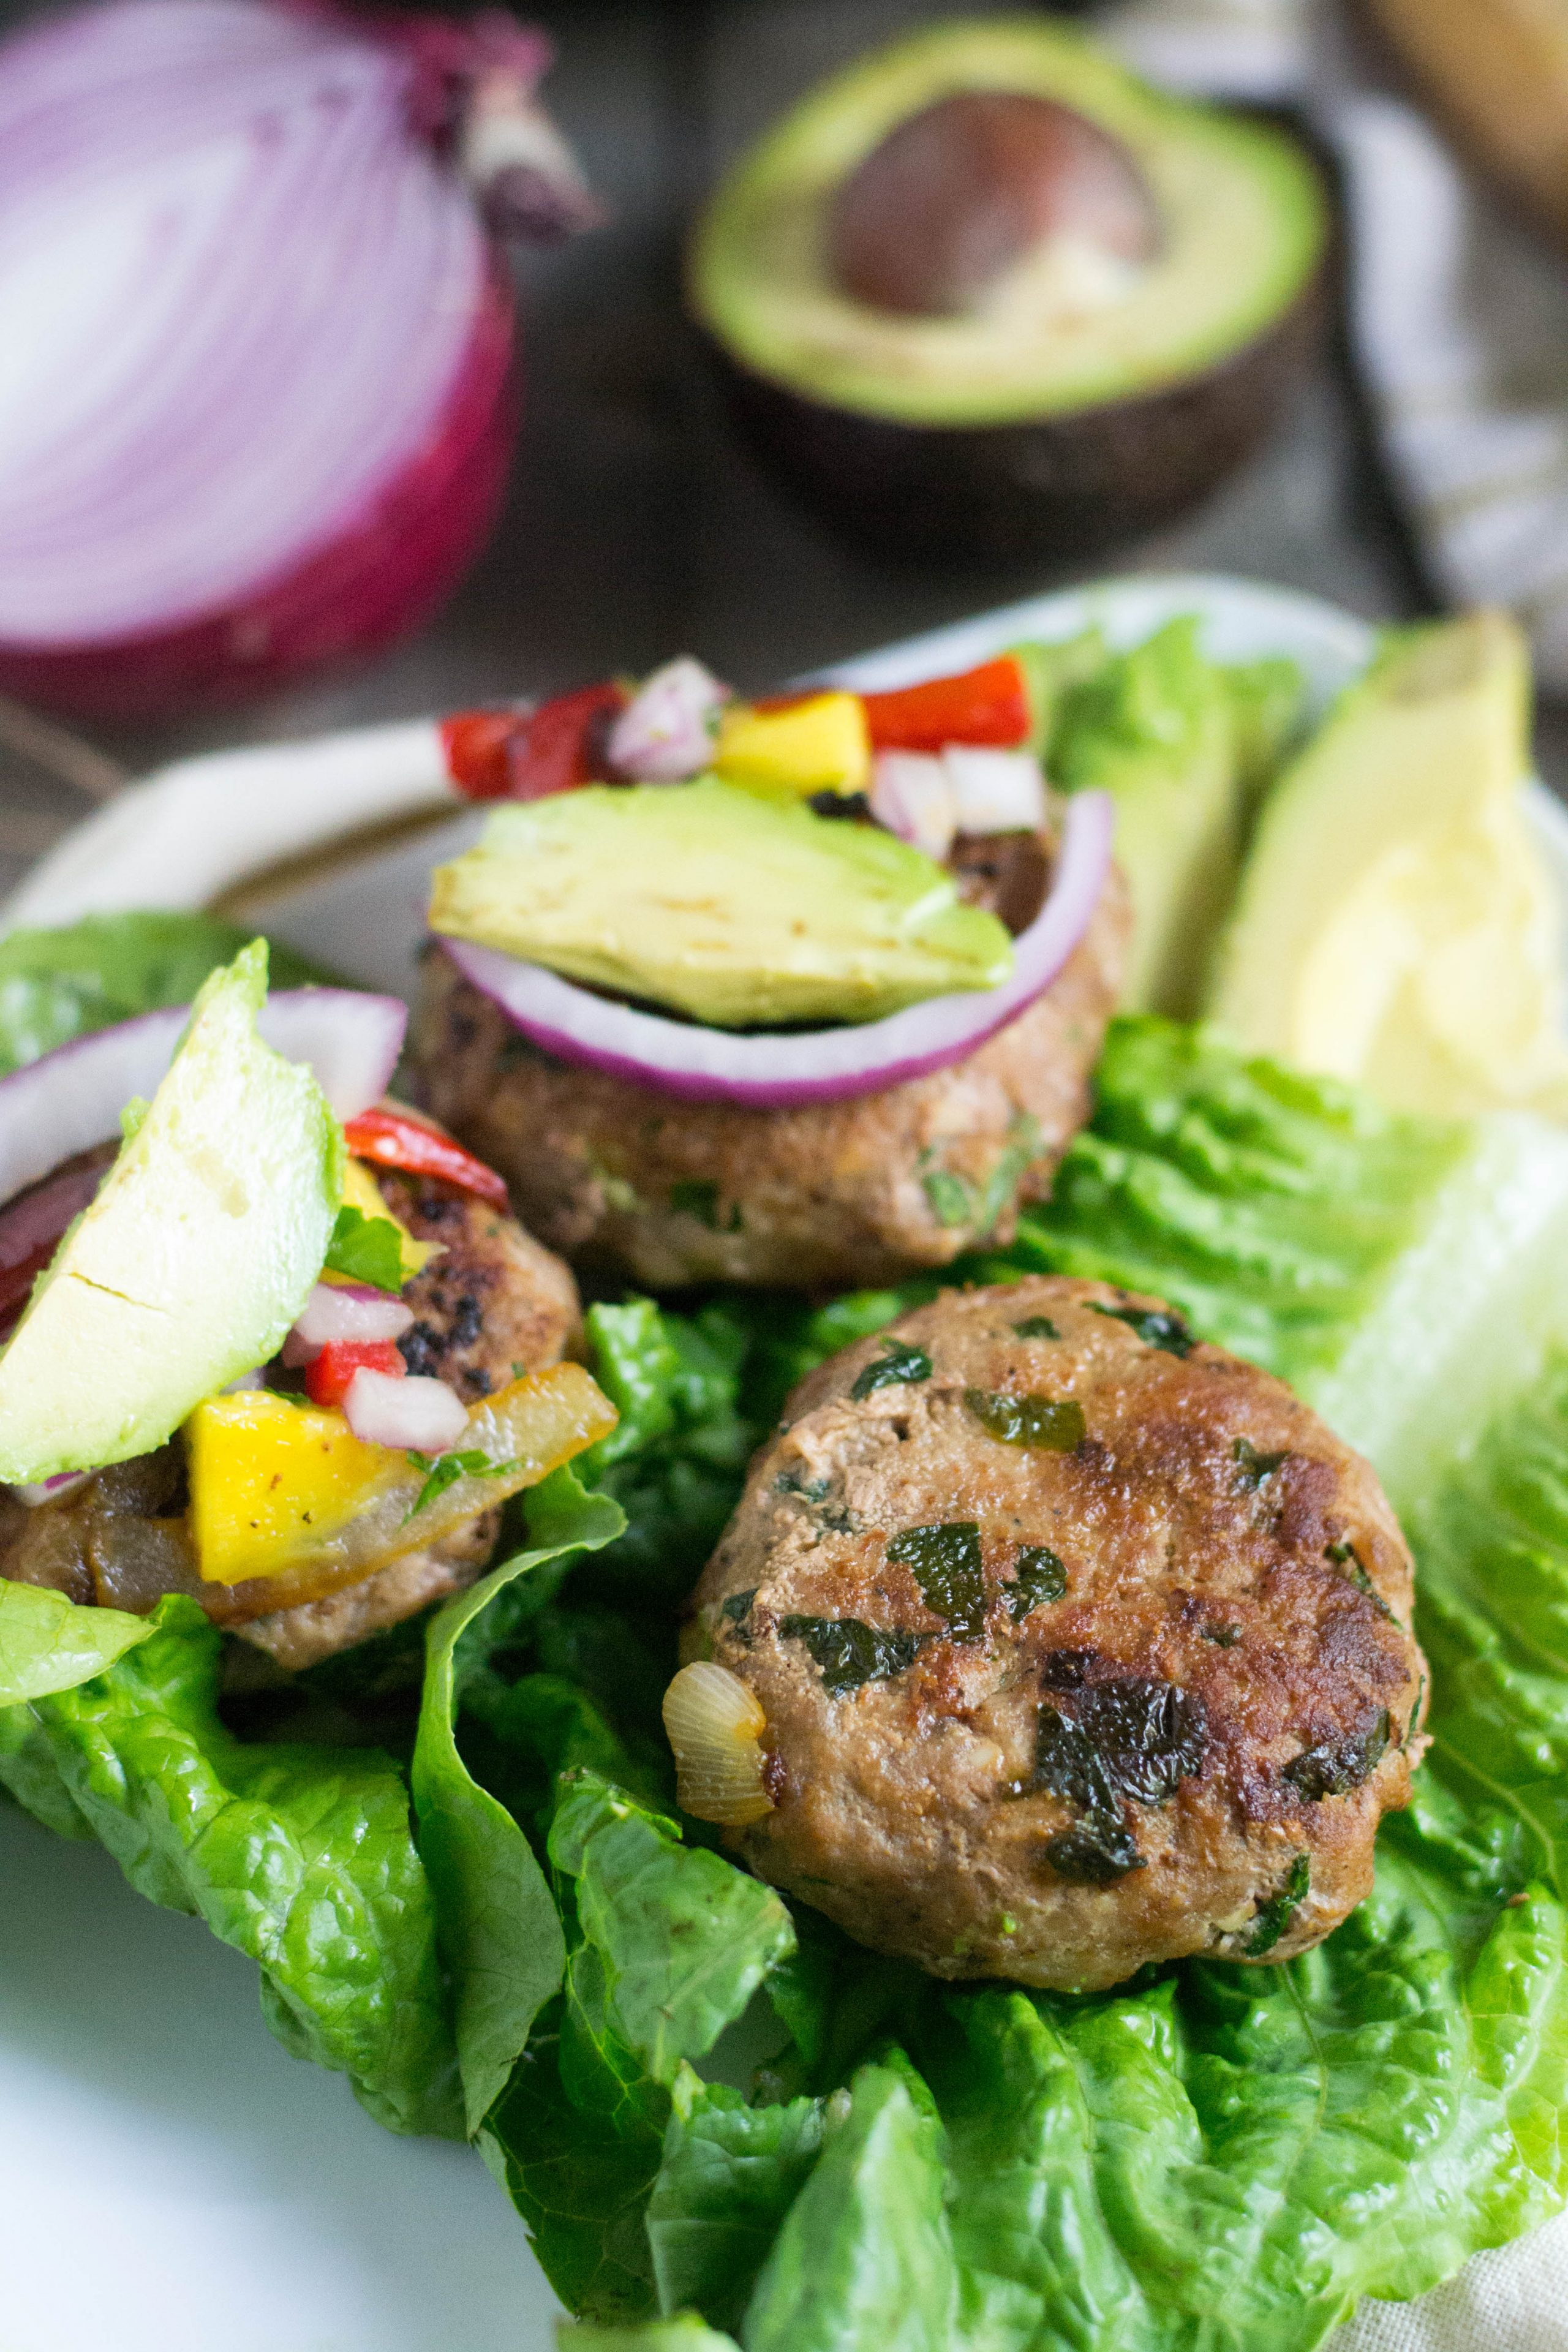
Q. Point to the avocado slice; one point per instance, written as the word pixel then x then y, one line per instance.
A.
pixel 741 909
pixel 194 1258
pixel 1395 925
pixel 1086 382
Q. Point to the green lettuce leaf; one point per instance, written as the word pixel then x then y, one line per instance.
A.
pixel 684 2334
pixel 500 1933
pixel 60 984
pixel 1291 1219
pixel 47 1644
pixel 683 1937
pixel 669 1942
pixel 300 1857
pixel 730 2176
pixel 865 2257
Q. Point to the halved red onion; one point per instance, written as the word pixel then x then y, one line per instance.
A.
pixel 774 1073
pixel 70 1100
pixel 423 1416
pixel 258 402
pixel 337 1311
pixel 665 734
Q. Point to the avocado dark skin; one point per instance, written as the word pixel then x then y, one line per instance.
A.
pixel 1056 485
pixel 897 351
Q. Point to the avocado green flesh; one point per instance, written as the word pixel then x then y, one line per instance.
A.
pixel 739 910
pixel 1242 211
pixel 1395 926
pixel 193 1260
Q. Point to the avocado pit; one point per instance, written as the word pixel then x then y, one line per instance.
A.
pixel 979 185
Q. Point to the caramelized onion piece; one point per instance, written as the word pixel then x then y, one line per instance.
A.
pixel 715 1725
pixel 955 195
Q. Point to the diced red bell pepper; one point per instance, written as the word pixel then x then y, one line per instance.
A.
pixel 989 704
pixel 476 743
pixel 328 1376
pixel 526 756
pixel 395 1138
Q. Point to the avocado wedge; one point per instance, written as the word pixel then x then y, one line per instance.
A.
pixel 1395 925
pixel 194 1258
pixel 737 908
pixel 988 293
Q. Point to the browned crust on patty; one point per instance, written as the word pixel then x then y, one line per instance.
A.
pixel 831 1194
pixel 1201 1522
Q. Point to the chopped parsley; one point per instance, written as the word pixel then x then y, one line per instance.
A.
pixel 1224 1637
pixel 897 1363
pixel 950 1198
pixel 1094 1852
pixel 1273 1917
pixel 849 1654
pixel 947 1567
pixel 1037 1326
pixel 1041 1577
pixel 1157 1327
pixel 698 1196
pixel 1345 1555
pixel 1052 1425
pixel 1335 1767
pixel 1253 1469
pixel 444 1470
pixel 737 1608
pixel 366 1249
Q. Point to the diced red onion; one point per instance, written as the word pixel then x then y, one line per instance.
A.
pixel 774 1073
pixel 70 1100
pixel 927 797
pixel 665 734
pixel 995 791
pixel 52 1490
pixel 260 405
pixel 423 1416
pixel 339 1311
pixel 911 795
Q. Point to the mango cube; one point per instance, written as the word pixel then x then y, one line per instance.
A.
pixel 821 745
pixel 270 1478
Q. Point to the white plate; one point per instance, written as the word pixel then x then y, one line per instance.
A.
pixel 169 2180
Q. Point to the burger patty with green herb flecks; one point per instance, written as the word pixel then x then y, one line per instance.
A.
pixel 1081 1645
pixel 629 1181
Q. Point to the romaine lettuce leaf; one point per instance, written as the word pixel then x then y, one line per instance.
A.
pixel 682 2334
pixel 730 2173
pixel 500 1933
pixel 47 1644
pixel 669 1942
pixel 302 1857
pixel 60 984
pixel 1405 1276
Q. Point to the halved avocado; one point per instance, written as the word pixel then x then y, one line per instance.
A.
pixel 988 293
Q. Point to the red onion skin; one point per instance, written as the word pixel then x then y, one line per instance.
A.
pixel 347 600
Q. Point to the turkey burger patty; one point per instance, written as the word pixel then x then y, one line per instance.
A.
pixel 1079 1644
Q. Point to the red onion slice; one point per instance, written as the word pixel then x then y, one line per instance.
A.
pixel 774 1073
pixel 424 1416
pixel 70 1100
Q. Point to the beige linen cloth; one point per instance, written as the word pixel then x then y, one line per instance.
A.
pixel 1460 325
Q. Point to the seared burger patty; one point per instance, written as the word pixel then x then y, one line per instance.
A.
pixel 831 1194
pixel 1080 1645
pixel 493 1306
